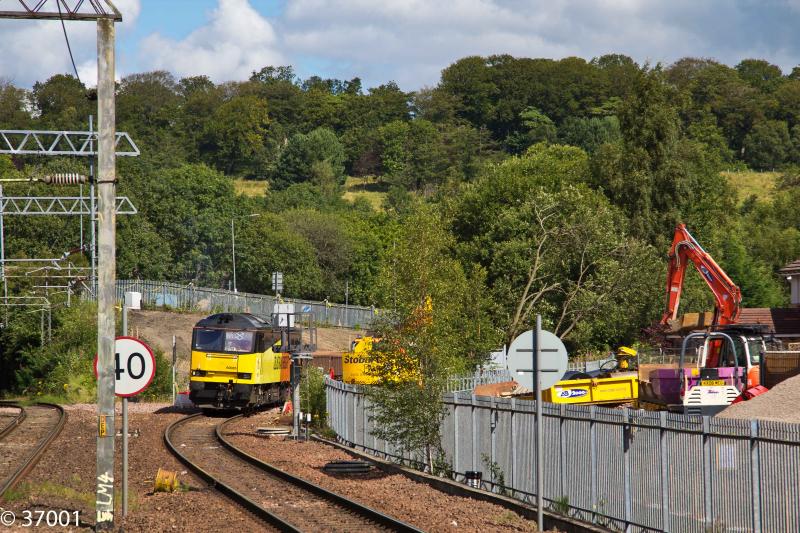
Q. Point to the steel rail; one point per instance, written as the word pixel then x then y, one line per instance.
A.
pixel 337 499
pixel 261 512
pixel 224 488
pixel 29 462
pixel 15 422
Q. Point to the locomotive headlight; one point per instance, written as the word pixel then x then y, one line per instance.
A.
pixel 244 375
pixel 199 373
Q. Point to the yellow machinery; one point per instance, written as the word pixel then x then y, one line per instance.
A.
pixel 354 362
pixel 611 390
pixel 612 383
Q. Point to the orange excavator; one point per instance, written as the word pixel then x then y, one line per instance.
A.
pixel 685 248
pixel 728 362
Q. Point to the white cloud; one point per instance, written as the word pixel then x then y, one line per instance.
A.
pixel 34 50
pixel 235 41
pixel 410 41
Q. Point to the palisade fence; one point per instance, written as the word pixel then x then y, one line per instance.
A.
pixel 623 469
pixel 481 377
pixel 189 297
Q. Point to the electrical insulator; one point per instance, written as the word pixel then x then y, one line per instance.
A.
pixel 67 178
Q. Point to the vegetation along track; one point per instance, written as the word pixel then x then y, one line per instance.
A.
pixel 284 501
pixel 24 437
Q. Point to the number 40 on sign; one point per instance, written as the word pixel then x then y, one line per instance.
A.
pixel 135 366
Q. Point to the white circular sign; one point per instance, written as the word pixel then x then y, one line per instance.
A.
pixel 553 357
pixel 135 366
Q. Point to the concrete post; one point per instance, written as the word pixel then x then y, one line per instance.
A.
pixel 104 502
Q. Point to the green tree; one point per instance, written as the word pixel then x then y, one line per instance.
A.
pixel 234 140
pixel 552 246
pixel 589 133
pixel 768 145
pixel 13 112
pixel 261 249
pixel 62 103
pixel 439 328
pixel 297 160
pixel 761 74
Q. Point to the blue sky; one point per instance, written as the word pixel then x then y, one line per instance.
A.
pixel 408 41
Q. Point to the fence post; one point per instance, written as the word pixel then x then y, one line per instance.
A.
pixel 708 519
pixel 346 418
pixel 455 434
pixel 364 421
pixel 626 465
pixel 493 438
pixel 755 475
pixel 662 444
pixel 355 417
pixel 593 462
pixel 513 481
pixel 474 435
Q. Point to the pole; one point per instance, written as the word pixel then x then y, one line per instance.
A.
pixel 106 274
pixel 233 255
pixel 3 261
pixel 174 362
pixel 537 354
pixel 295 396
pixel 92 213
pixel 80 187
pixel 124 426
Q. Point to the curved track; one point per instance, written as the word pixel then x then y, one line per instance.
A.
pixel 23 440
pixel 285 501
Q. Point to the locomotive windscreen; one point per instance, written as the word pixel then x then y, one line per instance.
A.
pixel 215 340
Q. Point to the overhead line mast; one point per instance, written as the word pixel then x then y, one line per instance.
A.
pixel 105 14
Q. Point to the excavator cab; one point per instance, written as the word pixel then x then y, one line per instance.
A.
pixel 706 389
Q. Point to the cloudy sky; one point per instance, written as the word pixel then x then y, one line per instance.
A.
pixel 408 41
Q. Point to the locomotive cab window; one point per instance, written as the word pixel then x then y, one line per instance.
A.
pixel 208 340
pixel 216 340
pixel 239 341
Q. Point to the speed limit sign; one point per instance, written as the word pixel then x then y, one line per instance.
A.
pixel 134 366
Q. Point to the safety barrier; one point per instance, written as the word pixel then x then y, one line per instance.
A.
pixel 619 468
pixel 191 298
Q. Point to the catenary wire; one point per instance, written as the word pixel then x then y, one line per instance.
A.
pixel 66 38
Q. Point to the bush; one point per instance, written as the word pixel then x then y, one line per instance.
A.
pixel 312 395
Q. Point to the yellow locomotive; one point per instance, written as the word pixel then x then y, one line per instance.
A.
pixel 240 360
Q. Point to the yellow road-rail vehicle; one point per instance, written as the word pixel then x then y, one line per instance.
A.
pixel 241 360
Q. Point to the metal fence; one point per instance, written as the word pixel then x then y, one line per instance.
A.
pixel 623 469
pixel 482 377
pixel 589 366
pixel 189 297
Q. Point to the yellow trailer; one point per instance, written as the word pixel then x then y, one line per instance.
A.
pixel 617 389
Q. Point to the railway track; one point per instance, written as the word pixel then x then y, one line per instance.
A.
pixel 284 501
pixel 24 438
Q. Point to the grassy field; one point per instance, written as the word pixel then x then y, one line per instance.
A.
pixel 366 187
pixel 748 183
pixel 252 188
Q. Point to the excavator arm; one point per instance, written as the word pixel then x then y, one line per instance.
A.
pixel 727 295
